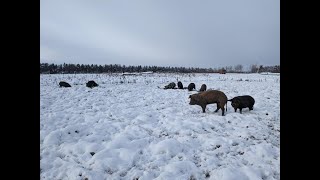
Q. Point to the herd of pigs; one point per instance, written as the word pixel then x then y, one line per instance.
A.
pixel 203 98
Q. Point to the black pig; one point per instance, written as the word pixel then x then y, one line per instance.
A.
pixel 64 84
pixel 241 102
pixel 203 88
pixel 191 86
pixel 91 84
pixel 180 86
pixel 171 85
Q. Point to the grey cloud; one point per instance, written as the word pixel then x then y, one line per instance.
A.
pixel 166 33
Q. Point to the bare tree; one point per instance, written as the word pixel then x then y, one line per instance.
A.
pixel 238 68
pixel 261 69
pixel 228 69
pixel 254 68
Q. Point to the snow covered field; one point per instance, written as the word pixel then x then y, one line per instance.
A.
pixel 128 128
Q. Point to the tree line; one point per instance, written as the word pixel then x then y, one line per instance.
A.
pixel 46 68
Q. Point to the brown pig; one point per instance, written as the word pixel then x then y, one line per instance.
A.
pixel 209 97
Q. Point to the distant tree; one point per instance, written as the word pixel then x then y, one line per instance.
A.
pixel 238 68
pixel 116 68
pixel 229 69
pixel 261 69
pixel 78 67
pixel 254 68
pixel 277 69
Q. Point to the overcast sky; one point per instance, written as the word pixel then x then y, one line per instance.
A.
pixel 189 33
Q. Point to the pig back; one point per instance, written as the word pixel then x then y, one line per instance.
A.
pixel 213 96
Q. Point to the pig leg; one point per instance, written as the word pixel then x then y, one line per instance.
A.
pixel 218 107
pixel 203 108
pixel 250 108
pixel 222 108
pixel 235 109
pixel 240 110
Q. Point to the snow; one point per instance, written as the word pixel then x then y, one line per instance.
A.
pixel 128 128
pixel 270 73
pixel 147 72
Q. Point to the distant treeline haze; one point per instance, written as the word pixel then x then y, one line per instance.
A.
pixel 46 68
